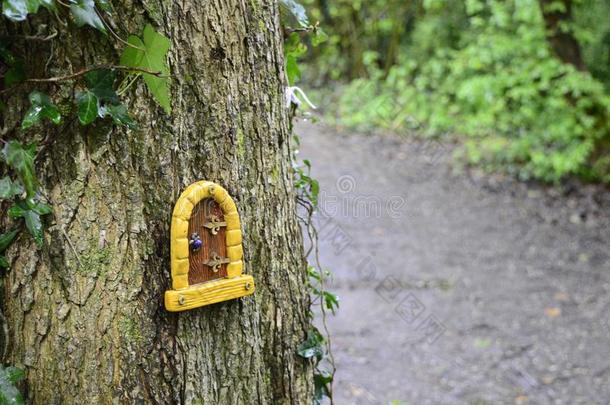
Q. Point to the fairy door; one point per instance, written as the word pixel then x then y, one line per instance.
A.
pixel 206 250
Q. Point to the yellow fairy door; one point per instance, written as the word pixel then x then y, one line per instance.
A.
pixel 206 250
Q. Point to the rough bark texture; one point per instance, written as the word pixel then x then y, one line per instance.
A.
pixel 84 314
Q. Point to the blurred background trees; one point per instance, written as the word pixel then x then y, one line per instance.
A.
pixel 523 83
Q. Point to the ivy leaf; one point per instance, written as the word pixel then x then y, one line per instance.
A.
pixel 34 225
pixel 6 239
pixel 293 49
pixel 4 264
pixel 18 10
pixel 319 37
pixel 331 301
pixel 87 107
pixel 100 82
pixel 38 207
pixel 150 53
pixel 321 383
pixel 42 107
pixel 104 5
pixel 84 13
pixel 312 347
pixel 9 394
pixel 292 69
pixel 21 159
pixel 297 11
pixel 9 188
pixel 15 10
pixel 31 213
pixel 119 115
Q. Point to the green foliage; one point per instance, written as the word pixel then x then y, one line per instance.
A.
pixel 83 12
pixel 18 10
pixel 14 73
pixel 486 71
pixel 307 186
pixel 9 394
pixel 293 49
pixel 97 99
pixel 9 188
pixel 31 210
pixel 21 159
pixel 42 107
pixel 100 100
pixel 313 347
pixel 5 241
pixel 150 53
pixel 321 383
pixel 87 107
pixel 296 10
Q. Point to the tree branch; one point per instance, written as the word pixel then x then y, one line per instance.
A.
pixel 82 72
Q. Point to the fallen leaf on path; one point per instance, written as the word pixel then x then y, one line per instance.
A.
pixel 552 312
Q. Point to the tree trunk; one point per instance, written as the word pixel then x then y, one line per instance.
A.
pixel 563 43
pixel 85 314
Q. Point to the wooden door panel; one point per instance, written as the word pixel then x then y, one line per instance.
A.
pixel 213 244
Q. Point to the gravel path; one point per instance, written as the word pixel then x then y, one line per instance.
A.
pixel 457 288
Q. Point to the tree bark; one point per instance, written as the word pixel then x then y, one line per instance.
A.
pixel 563 43
pixel 85 314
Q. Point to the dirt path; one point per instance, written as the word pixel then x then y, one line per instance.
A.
pixel 457 290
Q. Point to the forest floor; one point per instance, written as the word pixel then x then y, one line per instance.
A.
pixel 458 287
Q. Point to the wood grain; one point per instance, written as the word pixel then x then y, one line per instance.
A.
pixel 199 272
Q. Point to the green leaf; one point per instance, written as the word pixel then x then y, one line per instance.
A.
pixel 100 82
pixel 32 219
pixel 293 49
pixel 312 347
pixel 9 394
pixel 87 107
pixel 9 188
pixel 6 239
pixel 14 374
pixel 119 115
pixel 18 10
pixel 16 211
pixel 150 53
pixel 34 225
pixel 21 159
pixel 292 69
pixel 84 13
pixel 321 382
pixel 319 37
pixel 42 107
pixel 297 11
pixel 38 207
pixel 4 262
pixel 104 5
pixel 331 301
pixel 31 210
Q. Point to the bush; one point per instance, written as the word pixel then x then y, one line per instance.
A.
pixel 519 107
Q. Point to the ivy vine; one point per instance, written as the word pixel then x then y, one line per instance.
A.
pixel 317 346
pixel 97 97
